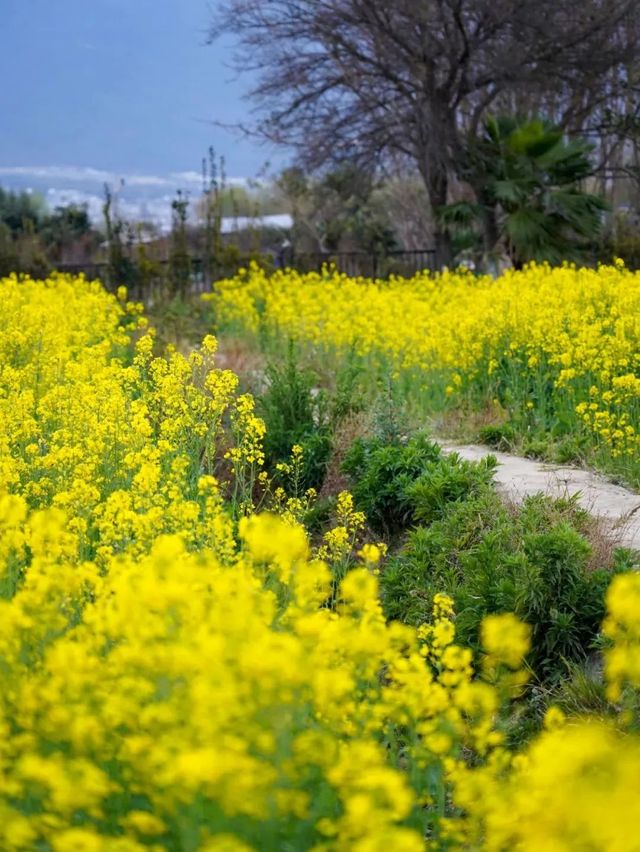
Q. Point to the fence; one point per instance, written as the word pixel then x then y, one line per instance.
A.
pixel 369 265
pixel 149 288
pixel 140 284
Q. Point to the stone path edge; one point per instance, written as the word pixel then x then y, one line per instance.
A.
pixel 517 478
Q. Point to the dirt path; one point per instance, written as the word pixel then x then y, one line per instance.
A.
pixel 518 477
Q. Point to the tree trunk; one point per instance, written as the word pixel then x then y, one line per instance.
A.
pixel 490 231
pixel 436 181
pixel 442 245
pixel 488 221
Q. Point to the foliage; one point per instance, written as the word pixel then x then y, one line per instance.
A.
pixel 532 561
pixel 383 474
pixel 298 412
pixel 295 415
pixel 502 437
pixel 33 238
pixel 182 323
pixel 18 208
pixel 337 211
pixel 121 269
pixel 22 251
pixel 448 480
pixel 179 259
pixel 66 226
pixel 527 177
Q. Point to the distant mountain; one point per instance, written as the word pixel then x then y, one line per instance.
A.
pixel 138 197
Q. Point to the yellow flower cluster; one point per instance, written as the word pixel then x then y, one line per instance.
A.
pixel 558 342
pixel 174 680
pixel 181 697
pixel 622 626
pixel 112 436
pixel 340 539
pixel 574 788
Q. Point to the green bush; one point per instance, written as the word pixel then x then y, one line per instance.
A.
pixel 448 480
pixel 397 484
pixel 558 597
pixel 502 437
pixel 347 396
pixel 573 449
pixel 383 473
pixel 434 557
pixel 532 561
pixel 294 413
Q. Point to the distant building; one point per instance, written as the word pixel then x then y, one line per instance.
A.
pixel 234 224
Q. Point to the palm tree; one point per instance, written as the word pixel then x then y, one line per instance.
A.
pixel 528 181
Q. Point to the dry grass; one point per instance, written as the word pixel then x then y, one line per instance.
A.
pixel 354 426
pixel 605 538
pixel 246 362
pixel 464 425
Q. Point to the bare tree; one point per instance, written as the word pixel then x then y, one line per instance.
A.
pixel 362 79
pixel 403 198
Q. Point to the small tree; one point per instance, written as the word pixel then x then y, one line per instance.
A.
pixel 148 268
pixel 338 211
pixel 19 208
pixel 213 189
pixel 179 258
pixel 121 269
pixel 66 229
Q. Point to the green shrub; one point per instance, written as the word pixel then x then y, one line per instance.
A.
pixel 295 413
pixel 347 396
pixel 316 451
pixel 317 519
pixel 573 449
pixel 383 473
pixel 532 561
pixel 434 557
pixel 558 597
pixel 502 437
pixel 448 480
pixel 584 690
pixel 535 447
pixel 398 484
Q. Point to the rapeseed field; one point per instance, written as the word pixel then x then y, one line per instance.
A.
pixel 552 351
pixel 183 670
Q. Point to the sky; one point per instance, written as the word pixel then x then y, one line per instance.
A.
pixel 98 90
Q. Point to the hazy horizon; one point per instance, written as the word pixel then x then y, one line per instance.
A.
pixel 113 90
